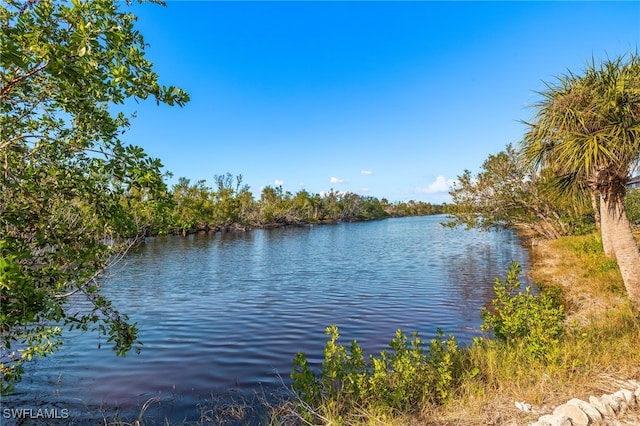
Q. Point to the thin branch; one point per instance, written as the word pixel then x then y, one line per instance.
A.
pixel 5 144
pixel 6 88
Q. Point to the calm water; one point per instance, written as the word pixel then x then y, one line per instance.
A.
pixel 225 314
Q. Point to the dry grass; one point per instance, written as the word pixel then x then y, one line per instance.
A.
pixel 591 284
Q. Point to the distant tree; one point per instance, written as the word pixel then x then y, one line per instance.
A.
pixel 315 207
pixel 587 130
pixel 193 205
pixel 275 205
pixel 247 205
pixel 331 206
pixel 372 208
pixel 226 199
pixel 303 209
pixel 68 183
pixel 351 207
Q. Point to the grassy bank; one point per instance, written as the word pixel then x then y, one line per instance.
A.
pixel 598 343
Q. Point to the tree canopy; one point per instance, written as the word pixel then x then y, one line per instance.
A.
pixel 507 192
pixel 67 179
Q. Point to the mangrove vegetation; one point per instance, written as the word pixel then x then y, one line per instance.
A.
pixel 230 205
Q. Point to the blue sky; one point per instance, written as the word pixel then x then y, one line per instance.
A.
pixel 389 99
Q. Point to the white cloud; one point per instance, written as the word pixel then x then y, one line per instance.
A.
pixel 336 180
pixel 366 172
pixel 440 185
pixel 279 182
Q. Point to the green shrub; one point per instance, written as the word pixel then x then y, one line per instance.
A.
pixel 530 321
pixel 412 373
pixel 398 380
pixel 632 205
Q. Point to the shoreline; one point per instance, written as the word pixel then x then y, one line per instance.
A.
pixel 597 308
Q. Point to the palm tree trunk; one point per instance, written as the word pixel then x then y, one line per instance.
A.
pixel 605 228
pixel 623 244
pixel 594 205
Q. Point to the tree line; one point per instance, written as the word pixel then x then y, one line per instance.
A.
pixel 229 205
pixel 506 193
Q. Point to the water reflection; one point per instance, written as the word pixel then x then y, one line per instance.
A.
pixel 473 271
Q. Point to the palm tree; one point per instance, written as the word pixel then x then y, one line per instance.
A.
pixel 587 130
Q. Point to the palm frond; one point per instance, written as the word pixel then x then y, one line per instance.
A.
pixel 588 124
